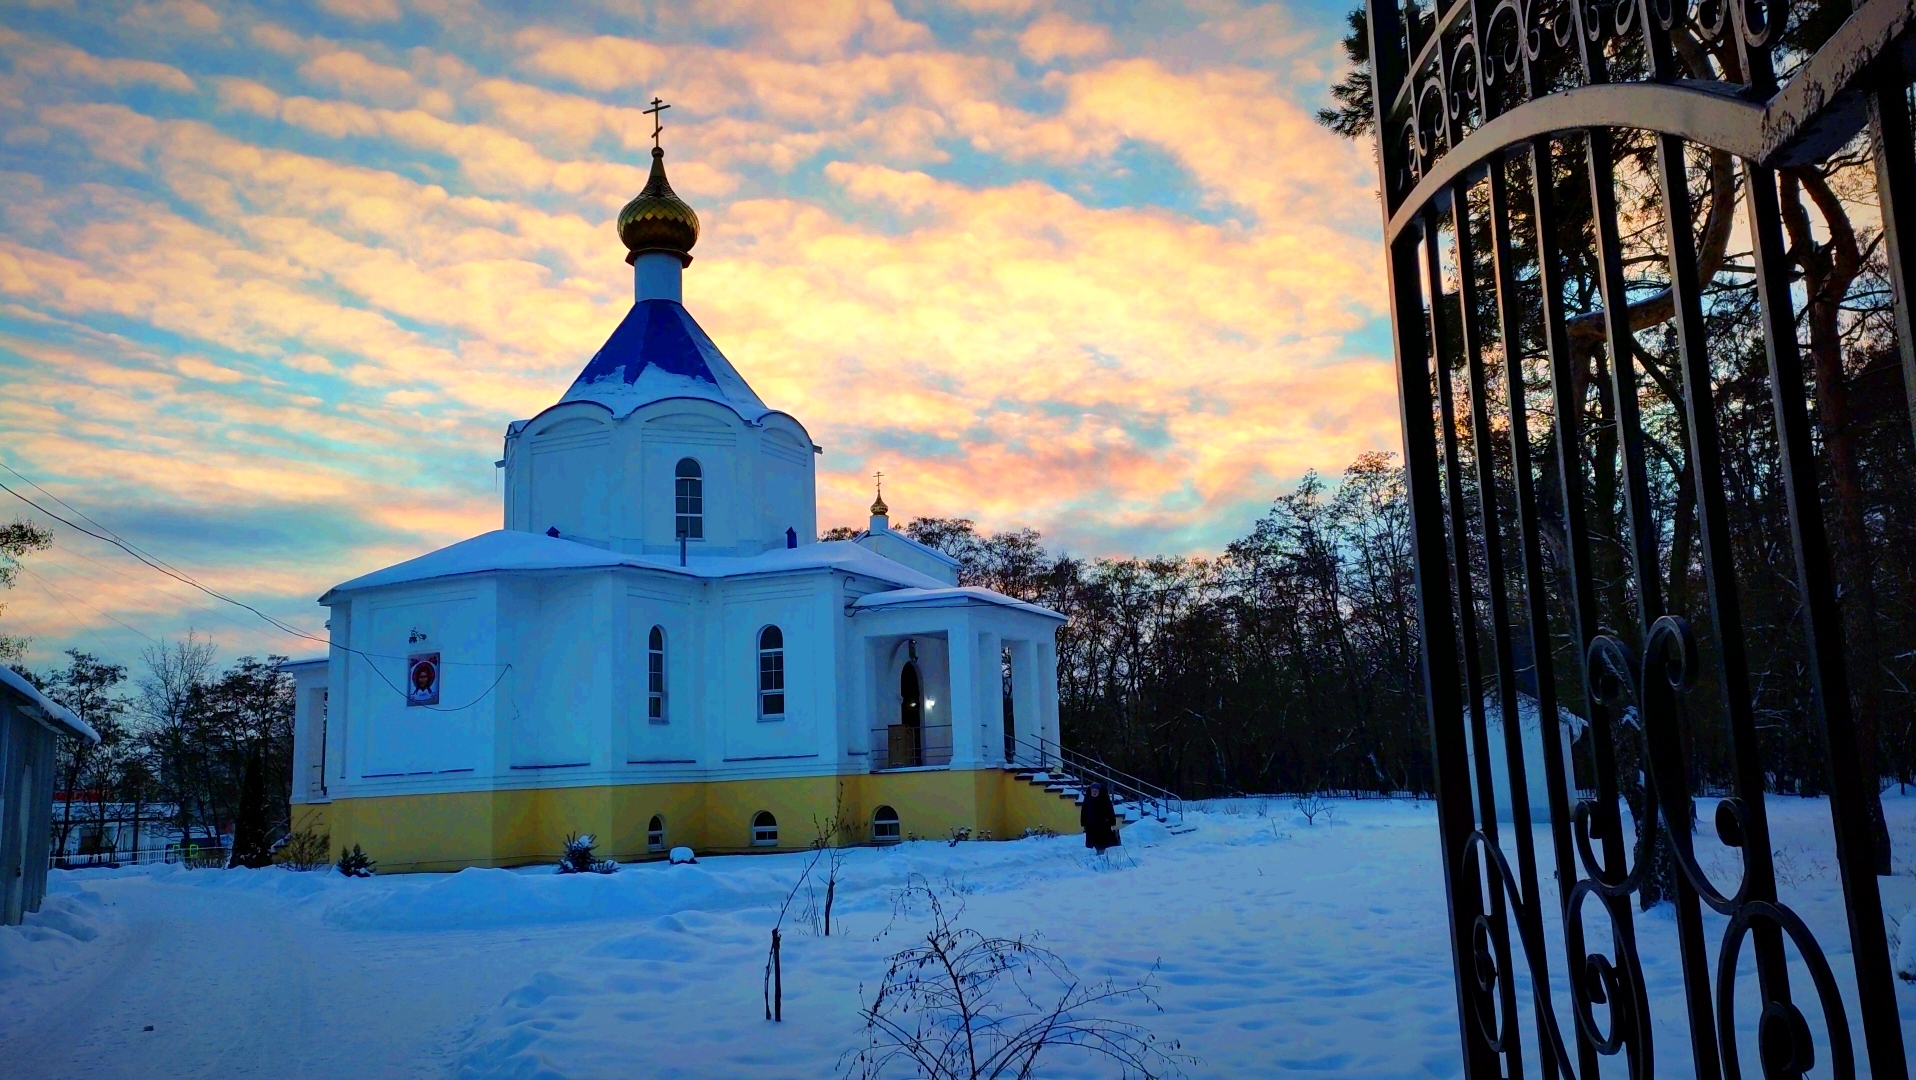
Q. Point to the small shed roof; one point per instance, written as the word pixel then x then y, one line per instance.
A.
pixel 55 714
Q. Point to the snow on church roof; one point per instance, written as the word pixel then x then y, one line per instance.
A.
pixel 511 550
pixel 659 351
pixel 948 596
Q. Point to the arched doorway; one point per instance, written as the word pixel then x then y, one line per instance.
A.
pixel 907 743
pixel 911 697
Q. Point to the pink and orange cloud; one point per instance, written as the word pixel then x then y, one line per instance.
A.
pixel 271 285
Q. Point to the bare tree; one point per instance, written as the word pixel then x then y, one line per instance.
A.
pixel 16 539
pixel 963 1006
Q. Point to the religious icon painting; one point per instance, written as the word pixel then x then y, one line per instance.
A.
pixel 422 679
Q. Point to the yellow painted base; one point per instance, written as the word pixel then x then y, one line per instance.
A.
pixel 451 831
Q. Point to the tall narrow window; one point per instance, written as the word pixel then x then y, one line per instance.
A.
pixel 771 674
pixel 689 499
pixel 655 676
pixel 655 834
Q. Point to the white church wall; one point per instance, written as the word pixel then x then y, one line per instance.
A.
pixel 573 473
pixel 674 740
pixel 903 551
pixel 404 740
pixel 564 685
pixel 786 479
pixel 342 702
pixel 746 609
pixel 309 729
pixel 705 436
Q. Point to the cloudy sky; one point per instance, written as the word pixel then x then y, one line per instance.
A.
pixel 274 278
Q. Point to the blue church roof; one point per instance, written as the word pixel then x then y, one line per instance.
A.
pixel 659 351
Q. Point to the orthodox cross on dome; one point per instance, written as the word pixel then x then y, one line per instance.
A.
pixel 658 106
pixel 879 509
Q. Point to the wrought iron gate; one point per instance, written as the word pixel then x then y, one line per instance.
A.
pixel 1481 108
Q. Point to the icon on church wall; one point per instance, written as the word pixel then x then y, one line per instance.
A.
pixel 422 677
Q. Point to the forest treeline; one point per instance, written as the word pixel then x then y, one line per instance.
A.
pixel 1286 663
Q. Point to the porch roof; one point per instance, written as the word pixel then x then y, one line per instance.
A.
pixel 949 596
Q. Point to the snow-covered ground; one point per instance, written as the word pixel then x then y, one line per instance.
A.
pixel 1279 947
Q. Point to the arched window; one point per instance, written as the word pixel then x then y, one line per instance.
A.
pixel 655 676
pixel 764 829
pixel 884 825
pixel 655 834
pixel 689 499
pixel 771 674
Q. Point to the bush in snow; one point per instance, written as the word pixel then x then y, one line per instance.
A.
pixel 682 855
pixel 355 863
pixel 965 1006
pixel 1313 805
pixel 304 850
pixel 578 857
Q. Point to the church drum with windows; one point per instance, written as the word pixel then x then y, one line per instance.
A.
pixel 655 648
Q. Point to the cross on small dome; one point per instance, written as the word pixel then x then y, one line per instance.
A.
pixel 658 220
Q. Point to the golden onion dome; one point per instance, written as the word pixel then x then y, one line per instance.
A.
pixel 658 220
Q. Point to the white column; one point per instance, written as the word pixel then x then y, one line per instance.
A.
pixel 964 692
pixel 1048 692
pixel 1025 724
pixel 991 698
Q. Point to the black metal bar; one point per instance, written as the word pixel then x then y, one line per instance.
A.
pixel 1645 565
pixel 1536 586
pixel 1459 517
pixel 1719 560
pixel 1822 624
pixel 1567 425
pixel 1436 622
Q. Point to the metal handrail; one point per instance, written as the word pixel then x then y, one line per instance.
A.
pixel 1160 802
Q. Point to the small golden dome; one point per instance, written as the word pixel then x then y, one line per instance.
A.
pixel 879 509
pixel 658 220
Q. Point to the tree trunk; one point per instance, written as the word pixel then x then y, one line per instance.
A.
pixel 1828 271
pixel 251 845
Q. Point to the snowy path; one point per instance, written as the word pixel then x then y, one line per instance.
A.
pixel 233 987
pixel 1280 948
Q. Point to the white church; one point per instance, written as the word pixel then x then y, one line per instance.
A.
pixel 657 649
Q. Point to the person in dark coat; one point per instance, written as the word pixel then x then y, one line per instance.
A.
pixel 1099 818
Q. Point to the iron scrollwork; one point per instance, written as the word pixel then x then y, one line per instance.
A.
pixel 1459 89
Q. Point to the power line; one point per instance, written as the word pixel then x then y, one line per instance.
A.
pixel 208 609
pixel 47 587
pixel 107 536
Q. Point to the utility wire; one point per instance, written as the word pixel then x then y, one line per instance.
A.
pixel 107 536
pixel 45 588
pixel 45 583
